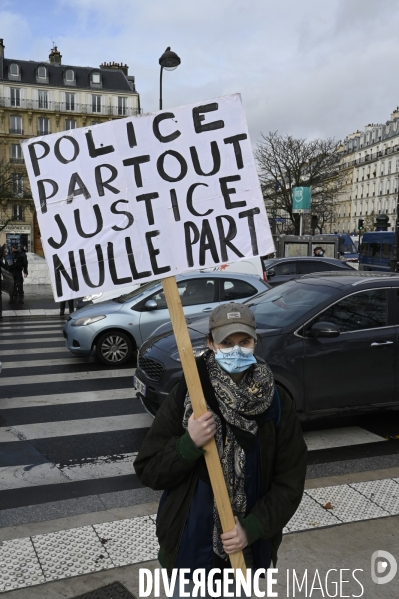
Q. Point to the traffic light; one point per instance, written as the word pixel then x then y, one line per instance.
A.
pixel 361 224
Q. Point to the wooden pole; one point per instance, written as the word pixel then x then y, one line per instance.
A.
pixel 199 407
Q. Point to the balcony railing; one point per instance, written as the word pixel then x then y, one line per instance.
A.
pixel 16 131
pixel 17 160
pixel 70 107
pixel 40 132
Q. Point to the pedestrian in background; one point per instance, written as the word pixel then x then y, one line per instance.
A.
pixel 261 448
pixel 17 265
pixel 70 307
pixel 3 252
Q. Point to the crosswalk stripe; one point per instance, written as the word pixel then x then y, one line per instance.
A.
pixel 17 477
pixel 65 377
pixel 30 341
pixel 34 352
pixel 49 362
pixel 33 327
pixel 19 334
pixel 66 398
pixel 339 437
pixel 80 427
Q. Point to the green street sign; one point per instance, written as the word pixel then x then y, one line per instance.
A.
pixel 301 199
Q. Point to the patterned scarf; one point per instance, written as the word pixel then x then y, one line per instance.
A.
pixel 251 396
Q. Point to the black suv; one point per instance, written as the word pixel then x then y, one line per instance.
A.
pixel 331 341
pixel 281 270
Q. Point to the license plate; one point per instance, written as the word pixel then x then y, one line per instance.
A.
pixel 141 388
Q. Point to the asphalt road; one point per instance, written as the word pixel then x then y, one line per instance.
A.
pixel 70 428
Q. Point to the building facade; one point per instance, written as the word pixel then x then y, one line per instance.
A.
pixel 38 98
pixel 370 165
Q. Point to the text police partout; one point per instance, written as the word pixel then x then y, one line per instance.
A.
pixel 198 236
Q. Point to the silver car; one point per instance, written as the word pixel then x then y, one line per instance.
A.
pixel 116 328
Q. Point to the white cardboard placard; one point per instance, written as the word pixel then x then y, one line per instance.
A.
pixel 147 197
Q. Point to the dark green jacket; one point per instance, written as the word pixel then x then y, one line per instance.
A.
pixel 168 459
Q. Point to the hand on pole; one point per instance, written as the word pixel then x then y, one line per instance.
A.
pixel 202 429
pixel 235 540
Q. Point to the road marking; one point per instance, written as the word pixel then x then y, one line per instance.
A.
pixel 41 350
pixel 33 327
pixel 65 377
pixel 339 437
pixel 45 430
pixel 18 334
pixel 34 340
pixel 67 398
pixel 18 477
pixel 49 362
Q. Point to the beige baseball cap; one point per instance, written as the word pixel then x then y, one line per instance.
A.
pixel 231 318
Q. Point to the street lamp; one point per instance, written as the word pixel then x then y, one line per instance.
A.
pixel 169 61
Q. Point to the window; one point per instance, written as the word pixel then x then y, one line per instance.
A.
pixel 70 124
pixel 16 124
pixel 96 78
pixel 15 96
pixel 16 153
pixel 360 311
pixel 197 291
pixel 306 267
pixel 17 185
pixel 43 127
pixel 283 305
pixel 69 75
pixel 285 268
pixel 42 72
pixel 14 70
pixel 386 250
pixel 95 122
pixel 121 105
pixel 364 248
pixel 43 99
pixel 96 103
pixel 69 101
pixel 17 212
pixel 374 249
pixel 235 289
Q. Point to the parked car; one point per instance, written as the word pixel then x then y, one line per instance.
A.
pixel 376 250
pixel 281 270
pixel 117 327
pixel 331 341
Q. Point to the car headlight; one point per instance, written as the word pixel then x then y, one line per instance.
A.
pixel 83 322
pixel 198 350
pixel 90 298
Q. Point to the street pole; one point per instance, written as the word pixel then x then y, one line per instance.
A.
pixel 393 263
pixel 160 89
pixel 300 223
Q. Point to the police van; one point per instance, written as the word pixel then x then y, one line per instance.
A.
pixel 376 250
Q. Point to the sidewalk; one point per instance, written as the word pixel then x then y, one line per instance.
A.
pixel 80 554
pixel 38 301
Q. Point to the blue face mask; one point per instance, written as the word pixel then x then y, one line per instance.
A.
pixel 235 360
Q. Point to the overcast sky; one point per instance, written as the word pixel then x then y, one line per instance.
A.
pixel 304 67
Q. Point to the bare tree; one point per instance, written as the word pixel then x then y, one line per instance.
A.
pixel 285 162
pixel 13 192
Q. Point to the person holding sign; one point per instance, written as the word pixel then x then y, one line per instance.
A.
pixel 260 444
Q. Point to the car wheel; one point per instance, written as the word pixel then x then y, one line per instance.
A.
pixel 114 348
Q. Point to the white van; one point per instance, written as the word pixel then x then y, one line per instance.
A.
pixel 249 266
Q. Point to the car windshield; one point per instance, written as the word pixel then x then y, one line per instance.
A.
pixel 268 263
pixel 283 305
pixel 136 293
pixel 348 248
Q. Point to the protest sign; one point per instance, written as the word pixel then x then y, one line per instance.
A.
pixel 147 197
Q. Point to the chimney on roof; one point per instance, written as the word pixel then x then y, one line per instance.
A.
pixel 1 57
pixel 115 65
pixel 55 56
